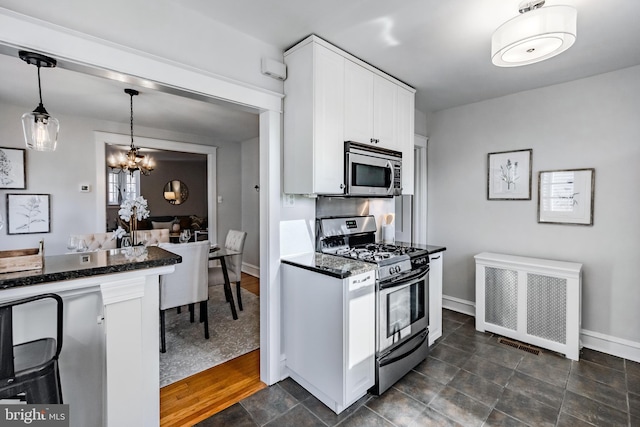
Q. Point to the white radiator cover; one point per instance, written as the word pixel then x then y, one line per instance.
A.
pixel 532 300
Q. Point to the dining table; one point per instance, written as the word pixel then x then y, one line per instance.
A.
pixel 220 254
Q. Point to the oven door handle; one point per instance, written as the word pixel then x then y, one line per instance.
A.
pixel 384 361
pixel 404 278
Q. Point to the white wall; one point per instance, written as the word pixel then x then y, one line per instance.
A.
pixel 60 173
pixel 250 175
pixel 588 123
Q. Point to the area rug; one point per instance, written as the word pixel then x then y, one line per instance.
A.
pixel 188 352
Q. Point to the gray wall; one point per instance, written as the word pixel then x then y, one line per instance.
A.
pixel 251 200
pixel 192 173
pixel 61 172
pixel 588 123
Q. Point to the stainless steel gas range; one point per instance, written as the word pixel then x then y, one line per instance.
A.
pixel 402 292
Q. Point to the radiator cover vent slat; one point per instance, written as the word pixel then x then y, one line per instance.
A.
pixel 546 307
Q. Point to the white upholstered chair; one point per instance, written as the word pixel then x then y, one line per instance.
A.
pixel 187 285
pixel 234 241
pixel 156 236
pixel 97 241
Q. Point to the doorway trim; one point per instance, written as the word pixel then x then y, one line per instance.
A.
pixel 104 138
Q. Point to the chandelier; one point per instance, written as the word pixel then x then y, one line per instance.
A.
pixel 538 33
pixel 131 161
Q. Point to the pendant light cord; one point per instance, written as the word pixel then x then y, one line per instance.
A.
pixel 39 85
pixel 131 96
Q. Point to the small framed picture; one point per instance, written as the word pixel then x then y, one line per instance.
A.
pixel 566 196
pixel 13 168
pixel 28 213
pixel 509 175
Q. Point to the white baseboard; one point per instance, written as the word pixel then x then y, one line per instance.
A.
pixel 251 269
pixel 611 345
pixel 459 305
pixel 593 340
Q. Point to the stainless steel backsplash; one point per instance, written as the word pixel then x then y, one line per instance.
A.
pixel 340 206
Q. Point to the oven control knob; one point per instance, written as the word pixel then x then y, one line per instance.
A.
pixel 397 269
pixel 390 270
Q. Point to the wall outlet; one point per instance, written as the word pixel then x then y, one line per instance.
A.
pixel 289 201
pixel 85 188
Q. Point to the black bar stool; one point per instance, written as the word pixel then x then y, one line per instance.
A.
pixel 30 367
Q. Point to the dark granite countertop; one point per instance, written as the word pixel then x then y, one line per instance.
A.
pixel 432 249
pixel 330 265
pixel 74 266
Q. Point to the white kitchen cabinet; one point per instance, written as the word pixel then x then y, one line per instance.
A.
pixel 332 97
pixel 435 296
pixel 314 121
pixel 370 107
pixel 329 334
pixel 405 124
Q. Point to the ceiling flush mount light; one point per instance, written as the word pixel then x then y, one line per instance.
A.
pixel 40 129
pixel 538 33
pixel 131 161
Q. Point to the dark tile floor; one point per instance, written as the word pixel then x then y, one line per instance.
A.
pixel 469 379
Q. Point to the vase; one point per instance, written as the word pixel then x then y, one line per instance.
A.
pixel 133 226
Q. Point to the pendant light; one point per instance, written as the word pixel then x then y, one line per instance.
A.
pixel 40 129
pixel 538 33
pixel 132 160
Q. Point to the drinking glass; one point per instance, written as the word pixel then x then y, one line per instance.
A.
pixel 183 236
pixel 145 238
pixel 187 235
pixel 72 243
pixel 82 246
pixel 126 242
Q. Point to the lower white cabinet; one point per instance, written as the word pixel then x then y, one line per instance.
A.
pixel 435 296
pixel 533 300
pixel 329 334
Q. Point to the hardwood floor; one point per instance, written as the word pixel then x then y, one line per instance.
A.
pixel 199 396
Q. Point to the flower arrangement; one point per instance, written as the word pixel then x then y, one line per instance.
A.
pixel 132 210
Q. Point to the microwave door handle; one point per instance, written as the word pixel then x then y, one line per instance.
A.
pixel 390 167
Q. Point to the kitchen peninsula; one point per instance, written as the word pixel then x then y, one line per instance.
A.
pixel 109 364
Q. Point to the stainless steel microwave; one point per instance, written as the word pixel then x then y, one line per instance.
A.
pixel 372 171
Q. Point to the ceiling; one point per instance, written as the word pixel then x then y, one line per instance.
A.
pixel 440 47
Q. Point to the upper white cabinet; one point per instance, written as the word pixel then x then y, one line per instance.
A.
pixel 314 121
pixel 332 97
pixel 405 124
pixel 370 107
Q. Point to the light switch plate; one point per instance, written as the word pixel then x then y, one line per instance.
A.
pixel 85 188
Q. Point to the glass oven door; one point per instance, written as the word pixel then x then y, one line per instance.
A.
pixel 403 310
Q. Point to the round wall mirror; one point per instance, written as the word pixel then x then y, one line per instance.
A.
pixel 176 192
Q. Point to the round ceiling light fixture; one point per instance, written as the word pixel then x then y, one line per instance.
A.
pixel 535 35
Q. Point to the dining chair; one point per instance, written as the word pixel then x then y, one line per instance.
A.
pixel 234 241
pixel 187 285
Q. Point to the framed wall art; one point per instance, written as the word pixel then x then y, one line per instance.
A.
pixel 509 175
pixel 13 168
pixel 566 196
pixel 28 213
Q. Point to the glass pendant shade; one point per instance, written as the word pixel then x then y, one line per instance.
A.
pixel 40 130
pixel 534 36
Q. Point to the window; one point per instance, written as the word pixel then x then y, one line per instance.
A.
pixel 121 185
